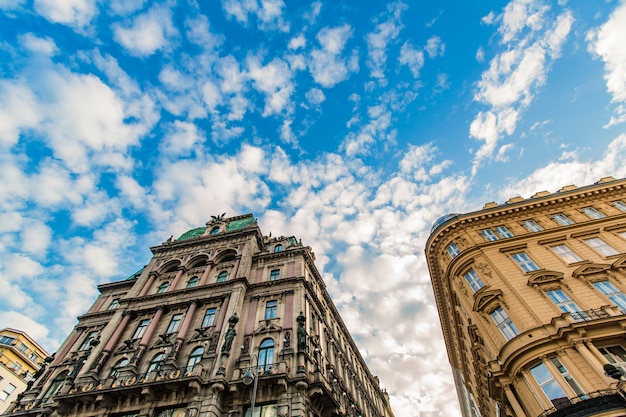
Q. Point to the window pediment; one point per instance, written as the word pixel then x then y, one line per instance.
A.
pixel 484 297
pixel 590 269
pixel 544 277
pixel 267 326
pixel 620 263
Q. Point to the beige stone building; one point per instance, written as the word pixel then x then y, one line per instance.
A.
pixel 531 299
pixel 218 317
pixel 20 359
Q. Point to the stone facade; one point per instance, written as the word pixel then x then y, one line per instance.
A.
pixel 531 299
pixel 177 337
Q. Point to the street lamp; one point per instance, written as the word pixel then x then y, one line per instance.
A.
pixel 248 378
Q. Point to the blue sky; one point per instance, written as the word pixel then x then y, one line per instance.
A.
pixel 351 125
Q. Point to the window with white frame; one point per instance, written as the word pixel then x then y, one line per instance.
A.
pixel 524 261
pixel 274 274
pixel 504 323
pixel 564 303
pixel 562 370
pixel 195 358
pixel 620 205
pixel 592 213
pixel 193 282
pixel 532 226
pixel 601 246
pixel 271 309
pixel 15 367
pixel 209 317
pixel 473 280
pixel 222 276
pixel 114 304
pixel 163 287
pixel 141 328
pixel 453 250
pixel 7 340
pixel 565 253
pixel 548 384
pixel 266 410
pixel 503 232
pixel 489 235
pixel 562 219
pixel 7 391
pixel 174 323
pixel 615 355
pixel 612 293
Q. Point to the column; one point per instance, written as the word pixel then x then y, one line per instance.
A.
pixel 111 343
pixel 180 337
pixel 148 284
pixel 179 273
pixel 205 275
pixel 236 268
pixel 519 412
pixel 145 339
pixel 590 358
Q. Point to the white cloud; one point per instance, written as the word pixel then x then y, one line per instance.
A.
pixel 297 42
pixel 148 32
pixel 75 13
pixel 435 47
pixel 36 44
pixel 36 237
pixel 275 81
pixel 19 110
pixel 377 42
pixel 509 85
pixel 125 7
pixel 10 4
pixel 606 43
pixel 181 139
pixel 326 65
pixel 411 57
pixel 315 96
pixel 269 13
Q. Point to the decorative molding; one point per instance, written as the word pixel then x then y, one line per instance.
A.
pixel 544 277
pixel 484 297
pixel 586 270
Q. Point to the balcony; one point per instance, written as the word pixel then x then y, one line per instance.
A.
pixel 590 405
pixel 589 315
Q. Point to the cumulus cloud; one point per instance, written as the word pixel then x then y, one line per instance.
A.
pixel 268 13
pixel 274 80
pixel 605 42
pixel 74 13
pixel 147 32
pixel 378 40
pixel 509 85
pixel 411 57
pixel 326 64
pixel 435 47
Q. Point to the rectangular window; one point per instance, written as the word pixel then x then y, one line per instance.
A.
pixel 141 328
pixel 270 310
pixel 274 274
pixel 601 246
pixel 473 280
pixel 592 213
pixel 612 293
pixel 268 410
pixel 15 367
pixel 174 323
pixel 7 391
pixel 563 302
pixel 524 261
pixel 565 253
pixel 615 355
pixel 620 205
pixel 567 377
pixel 114 304
pixel 209 317
pixel 22 347
pixel 548 385
pixel 504 323
pixel 489 235
pixel 453 250
pixel 562 219
pixel 34 357
pixel 532 226
pixel 87 342
pixel 503 232
pixel 7 340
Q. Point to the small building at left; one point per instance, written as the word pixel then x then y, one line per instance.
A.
pixel 20 360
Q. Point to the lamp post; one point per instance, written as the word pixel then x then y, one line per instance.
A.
pixel 248 378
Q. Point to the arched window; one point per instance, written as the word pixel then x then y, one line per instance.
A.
pixel 222 276
pixel 155 363
pixel 194 358
pixel 278 248
pixel 115 371
pixel 193 281
pixel 215 230
pixel 266 355
pixel 163 287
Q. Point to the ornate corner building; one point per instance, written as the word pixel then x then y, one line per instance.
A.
pixel 20 360
pixel 178 338
pixel 531 299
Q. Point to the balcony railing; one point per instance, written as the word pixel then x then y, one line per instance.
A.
pixel 589 315
pixel 587 405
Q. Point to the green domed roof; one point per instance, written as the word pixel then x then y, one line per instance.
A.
pixel 192 233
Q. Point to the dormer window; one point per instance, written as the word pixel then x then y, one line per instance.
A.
pixel 278 248
pixel 215 230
